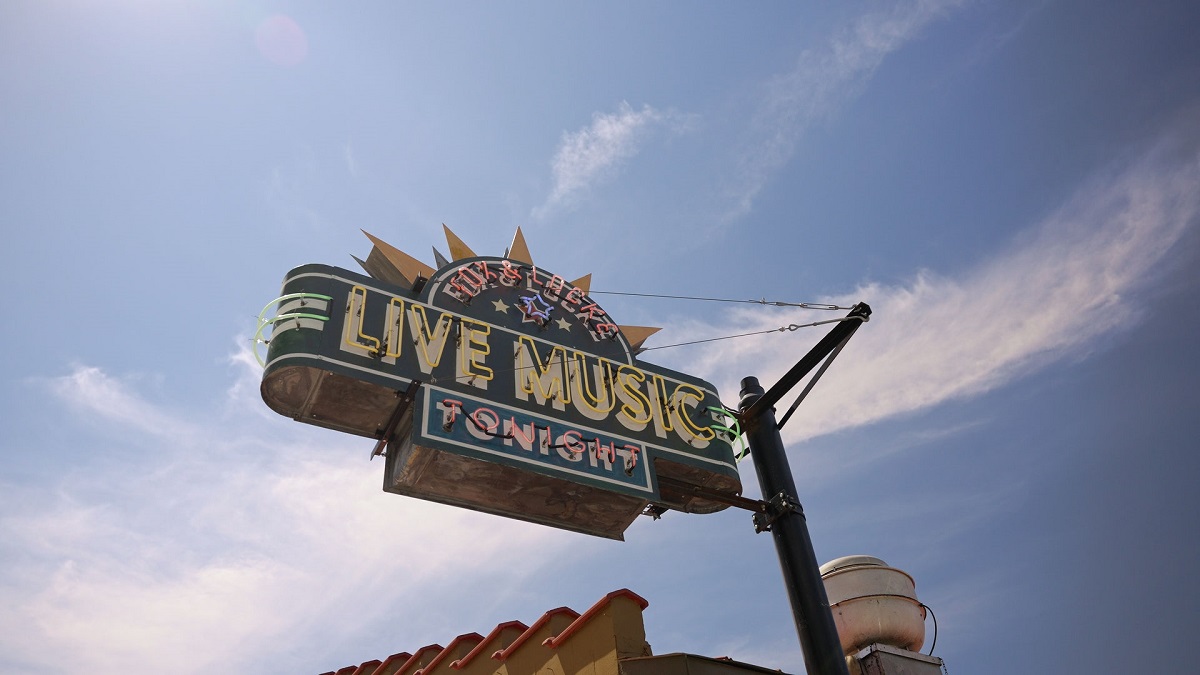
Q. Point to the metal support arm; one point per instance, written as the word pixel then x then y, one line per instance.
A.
pixel 840 333
pixel 784 517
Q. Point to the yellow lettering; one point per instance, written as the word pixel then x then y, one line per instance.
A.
pixel 473 348
pixel 635 408
pixel 395 329
pixel 592 387
pixel 546 383
pixel 684 400
pixel 353 335
pixel 431 342
pixel 659 406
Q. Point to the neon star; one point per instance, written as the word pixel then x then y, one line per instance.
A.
pixel 467 277
pixel 536 308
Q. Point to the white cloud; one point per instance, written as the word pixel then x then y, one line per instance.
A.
pixel 1068 281
pixel 216 544
pixel 823 79
pixel 590 154
pixel 243 395
pixel 91 390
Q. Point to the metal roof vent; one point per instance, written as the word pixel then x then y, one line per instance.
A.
pixel 873 603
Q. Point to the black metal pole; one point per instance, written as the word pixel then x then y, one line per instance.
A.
pixel 810 606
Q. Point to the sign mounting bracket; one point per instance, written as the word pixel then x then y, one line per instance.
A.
pixel 755 505
pixel 406 398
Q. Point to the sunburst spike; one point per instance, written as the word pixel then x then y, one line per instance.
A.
pixel 458 250
pixel 409 267
pixel 638 334
pixel 380 268
pixel 439 259
pixel 519 250
pixel 583 283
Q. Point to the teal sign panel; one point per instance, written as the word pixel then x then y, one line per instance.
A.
pixel 505 364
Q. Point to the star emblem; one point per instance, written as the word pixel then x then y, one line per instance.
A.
pixel 515 270
pixel 536 308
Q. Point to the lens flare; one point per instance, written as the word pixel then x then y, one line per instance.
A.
pixel 281 40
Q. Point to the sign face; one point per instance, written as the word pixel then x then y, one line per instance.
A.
pixel 502 387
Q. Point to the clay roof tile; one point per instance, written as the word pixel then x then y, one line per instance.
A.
pixel 455 644
pixel 391 664
pixel 487 642
pixel 367 668
pixel 592 612
pixel 417 657
pixel 537 625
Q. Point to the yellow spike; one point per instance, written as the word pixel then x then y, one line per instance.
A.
pixel 458 250
pixel 638 334
pixel 583 283
pixel 519 251
pixel 381 268
pixel 409 267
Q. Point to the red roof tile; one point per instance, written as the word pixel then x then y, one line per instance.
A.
pixel 391 664
pixel 595 609
pixel 367 668
pixel 461 641
pixel 487 642
pixel 415 660
pixel 537 625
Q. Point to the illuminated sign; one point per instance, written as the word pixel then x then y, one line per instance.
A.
pixel 499 386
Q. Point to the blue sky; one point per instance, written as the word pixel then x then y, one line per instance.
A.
pixel 1013 187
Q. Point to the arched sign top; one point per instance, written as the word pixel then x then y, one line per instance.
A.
pixel 525 298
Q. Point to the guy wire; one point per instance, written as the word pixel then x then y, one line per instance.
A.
pixel 764 301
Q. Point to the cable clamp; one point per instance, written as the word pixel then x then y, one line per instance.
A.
pixel 777 507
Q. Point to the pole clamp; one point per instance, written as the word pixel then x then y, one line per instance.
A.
pixel 779 506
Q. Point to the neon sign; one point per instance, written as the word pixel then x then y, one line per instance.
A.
pixel 498 386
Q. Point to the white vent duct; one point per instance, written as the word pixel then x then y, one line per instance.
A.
pixel 873 603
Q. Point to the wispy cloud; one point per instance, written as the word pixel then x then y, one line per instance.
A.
pixel 219 543
pixel 592 153
pixel 823 79
pixel 89 389
pixel 348 157
pixel 1067 281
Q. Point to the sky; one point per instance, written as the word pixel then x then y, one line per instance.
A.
pixel 1013 187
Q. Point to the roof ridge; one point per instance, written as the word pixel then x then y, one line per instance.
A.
pixel 362 667
pixel 542 621
pixel 491 637
pixel 591 612
pixel 465 637
pixel 413 661
pixel 416 657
